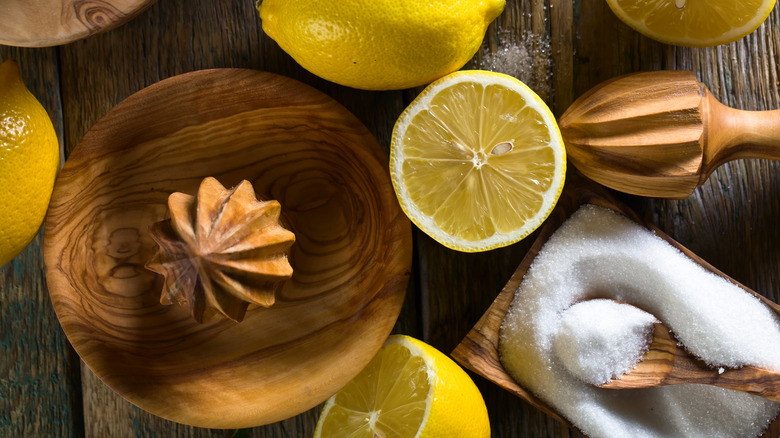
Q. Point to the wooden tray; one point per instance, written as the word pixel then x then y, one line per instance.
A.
pixel 352 255
pixel 478 351
pixel 42 23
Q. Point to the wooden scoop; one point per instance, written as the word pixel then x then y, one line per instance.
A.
pixel 661 134
pixel 667 363
pixel 478 351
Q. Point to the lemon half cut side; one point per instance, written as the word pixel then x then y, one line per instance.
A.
pixel 409 389
pixel 694 23
pixel 477 161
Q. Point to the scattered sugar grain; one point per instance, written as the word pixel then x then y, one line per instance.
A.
pixel 600 254
pixel 600 340
pixel 525 57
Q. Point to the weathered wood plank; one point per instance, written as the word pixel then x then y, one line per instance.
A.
pixel 730 221
pixel 39 383
pixel 562 50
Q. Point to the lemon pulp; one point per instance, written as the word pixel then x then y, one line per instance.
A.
pixel 409 389
pixel 697 23
pixel 477 160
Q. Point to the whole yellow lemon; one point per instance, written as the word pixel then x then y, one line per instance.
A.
pixel 29 160
pixel 379 44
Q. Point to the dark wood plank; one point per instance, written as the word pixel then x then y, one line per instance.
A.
pixel 39 382
pixel 730 221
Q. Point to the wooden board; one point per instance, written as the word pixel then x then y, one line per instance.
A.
pixel 351 258
pixel 731 221
pixel 43 23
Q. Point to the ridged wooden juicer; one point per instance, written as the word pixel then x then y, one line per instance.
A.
pixel 661 134
pixel 221 251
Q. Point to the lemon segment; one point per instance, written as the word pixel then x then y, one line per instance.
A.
pixel 29 160
pixel 695 23
pixel 379 44
pixel 477 161
pixel 409 389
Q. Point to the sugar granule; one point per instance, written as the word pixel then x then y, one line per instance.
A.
pixel 598 253
pixel 526 57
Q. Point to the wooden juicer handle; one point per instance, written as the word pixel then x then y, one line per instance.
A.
pixel 734 134
pixel 661 134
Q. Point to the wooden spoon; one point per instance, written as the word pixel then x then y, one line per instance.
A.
pixel 667 363
pixel 661 134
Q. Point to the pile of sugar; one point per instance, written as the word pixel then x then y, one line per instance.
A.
pixel 600 340
pixel 600 254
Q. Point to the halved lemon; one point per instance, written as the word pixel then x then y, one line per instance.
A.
pixel 694 23
pixel 477 160
pixel 409 389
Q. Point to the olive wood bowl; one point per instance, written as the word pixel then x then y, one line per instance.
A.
pixel 351 258
pixel 478 351
pixel 43 23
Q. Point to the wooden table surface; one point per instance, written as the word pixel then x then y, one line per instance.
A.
pixel 731 221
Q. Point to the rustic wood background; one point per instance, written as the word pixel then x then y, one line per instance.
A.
pixel 731 221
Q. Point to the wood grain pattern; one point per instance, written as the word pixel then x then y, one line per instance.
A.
pixel 478 351
pixel 295 145
pixel 668 363
pixel 661 133
pixel 54 22
pixel 221 251
pixel 168 39
pixel 731 220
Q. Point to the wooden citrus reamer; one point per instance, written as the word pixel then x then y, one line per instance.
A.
pixel 661 134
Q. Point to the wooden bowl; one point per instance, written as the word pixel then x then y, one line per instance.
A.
pixel 43 23
pixel 352 255
pixel 478 351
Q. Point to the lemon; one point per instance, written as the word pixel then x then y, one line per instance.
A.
pixel 695 23
pixel 29 160
pixel 477 160
pixel 379 44
pixel 409 389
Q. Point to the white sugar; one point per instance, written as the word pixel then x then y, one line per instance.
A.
pixel 600 254
pixel 600 340
pixel 526 56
